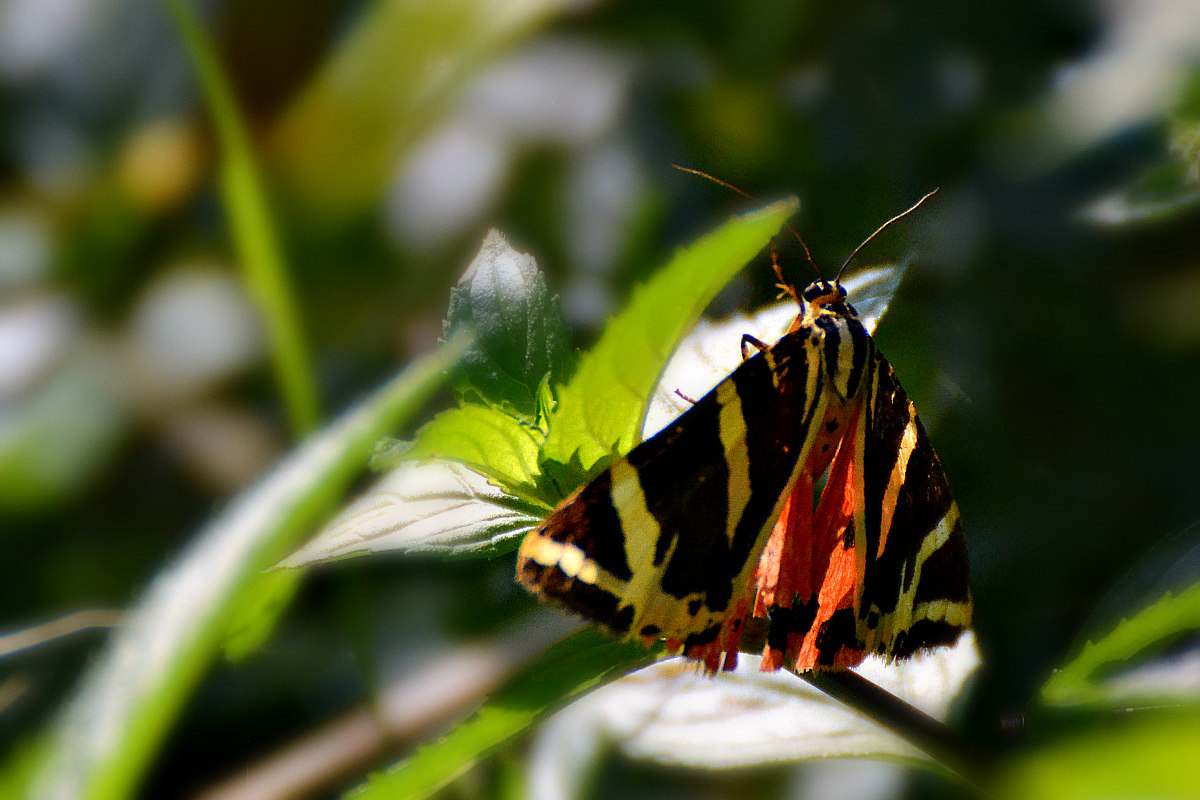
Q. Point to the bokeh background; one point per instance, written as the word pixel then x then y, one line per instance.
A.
pixel 1048 329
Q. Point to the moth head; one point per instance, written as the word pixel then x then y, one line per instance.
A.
pixel 822 293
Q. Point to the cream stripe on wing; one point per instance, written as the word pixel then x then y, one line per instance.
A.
pixel 952 612
pixel 737 456
pixel 638 524
pixel 847 347
pixel 770 359
pixel 642 532
pixel 571 560
pixel 932 542
pixel 817 372
pixel 644 590
pixel 908 443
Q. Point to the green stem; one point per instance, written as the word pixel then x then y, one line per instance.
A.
pixel 255 235
pixel 909 723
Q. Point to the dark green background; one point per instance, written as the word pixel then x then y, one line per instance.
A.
pixel 1054 358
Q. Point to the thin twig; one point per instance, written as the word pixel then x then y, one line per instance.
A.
pixel 418 702
pixel 58 628
pixel 908 722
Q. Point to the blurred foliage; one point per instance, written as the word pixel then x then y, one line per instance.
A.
pixel 570 667
pixel 1137 639
pixel 1049 330
pixel 127 699
pixel 259 252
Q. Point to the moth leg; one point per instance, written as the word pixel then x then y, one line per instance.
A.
pixel 685 397
pixel 758 343
pixel 785 287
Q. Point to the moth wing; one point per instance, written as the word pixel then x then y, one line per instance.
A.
pixel 913 590
pixel 819 630
pixel 886 541
pixel 665 542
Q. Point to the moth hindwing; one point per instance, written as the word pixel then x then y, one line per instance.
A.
pixel 712 520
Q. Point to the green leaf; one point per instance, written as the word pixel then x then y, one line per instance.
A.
pixel 258 611
pixel 255 235
pixel 1161 194
pixel 1169 189
pixel 599 413
pixel 130 696
pixel 436 507
pixel 1131 757
pixel 21 763
pixel 568 668
pixel 1187 102
pixel 468 486
pixel 491 442
pixel 748 718
pixel 388 453
pixel 1142 635
pixel 63 432
pixel 520 337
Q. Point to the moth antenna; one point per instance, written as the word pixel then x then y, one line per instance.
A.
pixel 880 230
pixel 807 253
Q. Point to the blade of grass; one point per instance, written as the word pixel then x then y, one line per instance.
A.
pixel 128 700
pixel 255 235
pixel 390 79
pixel 1141 635
pixel 571 666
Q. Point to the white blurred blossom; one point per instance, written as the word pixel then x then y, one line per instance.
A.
pixel 192 327
pixel 34 335
pixel 566 94
pixel 25 249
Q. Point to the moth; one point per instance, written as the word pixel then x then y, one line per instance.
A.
pixel 717 518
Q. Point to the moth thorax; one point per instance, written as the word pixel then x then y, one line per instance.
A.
pixel 845 348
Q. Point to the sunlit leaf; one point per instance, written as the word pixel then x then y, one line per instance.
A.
pixel 1157 196
pixel 489 441
pixel 1145 633
pixel 59 435
pixel 520 337
pixel 673 714
pixel 388 80
pixel 1170 189
pixel 258 611
pixel 600 411
pixel 1120 660
pixel 255 233
pixel 438 507
pixel 388 453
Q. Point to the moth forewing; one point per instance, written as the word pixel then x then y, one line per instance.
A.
pixel 667 542
pixel 915 592
pixel 672 531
